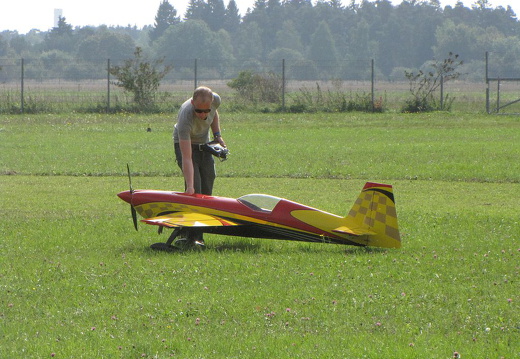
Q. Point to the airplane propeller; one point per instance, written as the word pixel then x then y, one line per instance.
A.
pixel 132 209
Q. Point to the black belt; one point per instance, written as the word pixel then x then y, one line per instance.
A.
pixel 195 147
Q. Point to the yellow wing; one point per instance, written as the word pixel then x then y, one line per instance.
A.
pixel 189 219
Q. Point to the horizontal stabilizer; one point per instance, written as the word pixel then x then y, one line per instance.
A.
pixel 185 219
pixel 353 231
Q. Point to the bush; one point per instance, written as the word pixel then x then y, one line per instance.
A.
pixel 333 101
pixel 140 78
pixel 423 85
pixel 415 105
pixel 257 88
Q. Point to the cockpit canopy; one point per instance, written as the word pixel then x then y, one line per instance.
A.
pixel 259 202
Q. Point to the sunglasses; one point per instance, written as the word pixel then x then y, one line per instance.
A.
pixel 198 110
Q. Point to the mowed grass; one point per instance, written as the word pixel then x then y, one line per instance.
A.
pixel 442 146
pixel 78 281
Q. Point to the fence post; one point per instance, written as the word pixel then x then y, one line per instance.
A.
pixel 442 92
pixel 498 95
pixel 195 74
pixel 372 83
pixel 22 87
pixel 283 85
pixel 487 84
pixel 108 85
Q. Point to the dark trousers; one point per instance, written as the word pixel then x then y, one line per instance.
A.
pixel 203 178
pixel 203 169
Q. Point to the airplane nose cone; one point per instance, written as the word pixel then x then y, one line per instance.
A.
pixel 125 196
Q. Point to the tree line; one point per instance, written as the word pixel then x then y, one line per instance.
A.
pixel 327 38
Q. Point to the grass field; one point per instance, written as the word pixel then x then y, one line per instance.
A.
pixel 59 96
pixel 77 281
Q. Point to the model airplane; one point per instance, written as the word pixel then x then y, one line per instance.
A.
pixel 372 221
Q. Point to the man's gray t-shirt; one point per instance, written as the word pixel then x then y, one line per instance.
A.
pixel 190 127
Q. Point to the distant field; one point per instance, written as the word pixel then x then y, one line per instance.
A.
pixel 78 282
pixel 68 96
pixel 441 146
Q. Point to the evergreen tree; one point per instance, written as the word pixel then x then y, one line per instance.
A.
pixel 333 12
pixel 459 14
pixel 417 33
pixel 275 16
pixel 360 51
pixel 289 38
pixel 248 46
pixel 257 13
pixel 166 16
pixel 196 10
pixel 63 28
pixel 60 37
pixel 406 35
pixel 259 16
pixel 260 5
pixel 193 39
pixel 302 13
pixel 215 15
pixel 231 21
pixel 487 17
pixel 322 50
pixel 387 54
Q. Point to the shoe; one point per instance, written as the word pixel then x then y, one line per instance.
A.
pixel 199 243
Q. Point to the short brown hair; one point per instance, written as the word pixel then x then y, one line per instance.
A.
pixel 204 93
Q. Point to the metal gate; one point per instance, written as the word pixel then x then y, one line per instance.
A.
pixel 501 103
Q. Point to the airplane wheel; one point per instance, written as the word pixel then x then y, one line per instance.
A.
pixel 165 247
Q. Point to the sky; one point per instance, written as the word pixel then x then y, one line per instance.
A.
pixel 24 15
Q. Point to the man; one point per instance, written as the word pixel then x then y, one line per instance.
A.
pixel 197 116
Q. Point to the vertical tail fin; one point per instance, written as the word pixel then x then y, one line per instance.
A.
pixel 374 212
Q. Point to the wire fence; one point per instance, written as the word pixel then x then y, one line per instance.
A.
pixel 61 84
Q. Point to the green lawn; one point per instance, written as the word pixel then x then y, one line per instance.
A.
pixel 77 281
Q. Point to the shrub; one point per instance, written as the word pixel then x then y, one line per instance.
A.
pixel 333 101
pixel 140 78
pixel 424 84
pixel 257 88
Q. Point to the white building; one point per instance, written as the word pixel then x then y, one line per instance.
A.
pixel 57 14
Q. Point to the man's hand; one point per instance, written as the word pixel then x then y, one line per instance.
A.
pixel 187 166
pixel 221 141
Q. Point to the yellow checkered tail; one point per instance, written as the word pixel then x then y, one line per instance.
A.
pixel 374 213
